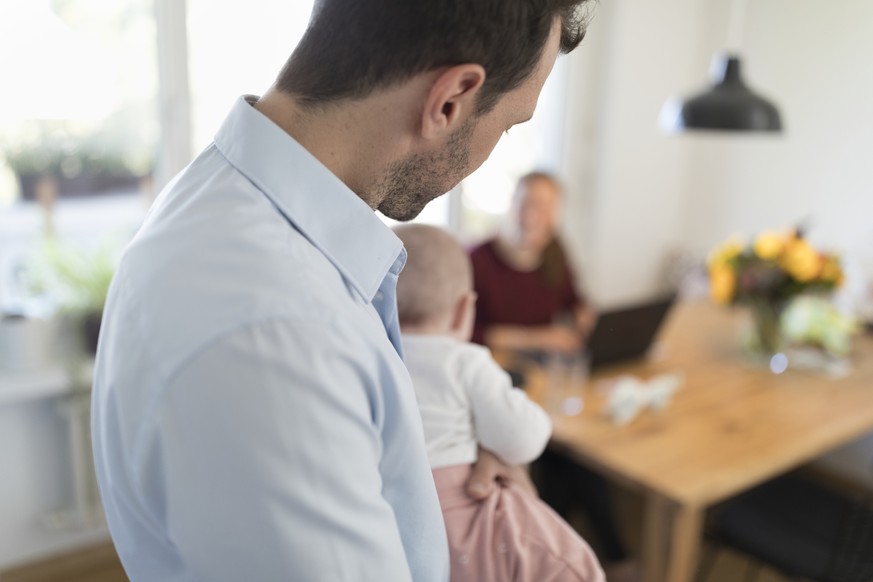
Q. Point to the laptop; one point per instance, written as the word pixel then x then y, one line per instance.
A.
pixel 627 333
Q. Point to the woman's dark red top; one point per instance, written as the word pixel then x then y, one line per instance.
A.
pixel 508 296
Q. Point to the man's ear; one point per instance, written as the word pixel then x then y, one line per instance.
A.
pixel 451 100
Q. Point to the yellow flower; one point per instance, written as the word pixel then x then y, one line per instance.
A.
pixel 726 252
pixel 722 283
pixel 769 245
pixel 800 260
pixel 831 272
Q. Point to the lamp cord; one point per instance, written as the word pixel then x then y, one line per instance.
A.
pixel 735 28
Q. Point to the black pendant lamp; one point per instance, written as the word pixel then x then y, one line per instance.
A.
pixel 729 105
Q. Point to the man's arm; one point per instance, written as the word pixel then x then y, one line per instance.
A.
pixel 270 453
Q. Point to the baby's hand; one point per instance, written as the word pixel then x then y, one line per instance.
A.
pixel 489 470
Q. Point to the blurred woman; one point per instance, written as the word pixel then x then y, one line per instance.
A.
pixel 527 296
pixel 528 302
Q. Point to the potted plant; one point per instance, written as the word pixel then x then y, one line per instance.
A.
pixel 766 275
pixel 80 160
pixel 76 282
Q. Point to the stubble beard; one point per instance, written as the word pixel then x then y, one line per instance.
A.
pixel 410 184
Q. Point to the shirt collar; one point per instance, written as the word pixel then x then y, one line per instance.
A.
pixel 316 202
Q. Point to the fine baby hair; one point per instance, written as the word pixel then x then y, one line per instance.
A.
pixel 436 275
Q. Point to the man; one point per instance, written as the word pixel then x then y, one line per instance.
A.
pixel 252 417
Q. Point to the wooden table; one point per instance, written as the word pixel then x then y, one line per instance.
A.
pixel 731 426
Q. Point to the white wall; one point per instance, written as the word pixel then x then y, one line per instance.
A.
pixel 627 181
pixel 637 195
pixel 813 59
pixel 585 83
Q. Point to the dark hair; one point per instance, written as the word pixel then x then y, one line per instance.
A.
pixel 353 47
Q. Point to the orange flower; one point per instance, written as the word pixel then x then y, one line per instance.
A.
pixel 800 260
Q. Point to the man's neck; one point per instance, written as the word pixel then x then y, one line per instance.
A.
pixel 352 139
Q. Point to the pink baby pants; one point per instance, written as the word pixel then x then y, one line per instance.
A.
pixel 511 536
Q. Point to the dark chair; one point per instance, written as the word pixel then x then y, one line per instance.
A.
pixel 801 528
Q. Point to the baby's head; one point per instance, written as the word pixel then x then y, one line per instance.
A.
pixel 435 290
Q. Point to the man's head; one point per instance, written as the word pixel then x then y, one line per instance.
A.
pixel 473 69
pixel 435 288
pixel 354 47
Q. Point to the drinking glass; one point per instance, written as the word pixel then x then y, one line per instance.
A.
pixel 567 378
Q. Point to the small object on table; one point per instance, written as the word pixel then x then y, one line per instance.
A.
pixel 568 376
pixel 629 396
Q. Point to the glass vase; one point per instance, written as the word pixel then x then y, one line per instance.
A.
pixel 766 339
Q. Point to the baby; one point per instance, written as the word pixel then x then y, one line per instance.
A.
pixel 466 400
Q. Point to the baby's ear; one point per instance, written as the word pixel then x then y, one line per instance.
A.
pixel 465 312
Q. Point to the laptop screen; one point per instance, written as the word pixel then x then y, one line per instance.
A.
pixel 628 332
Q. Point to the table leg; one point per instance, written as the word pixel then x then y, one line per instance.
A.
pixel 657 528
pixel 686 540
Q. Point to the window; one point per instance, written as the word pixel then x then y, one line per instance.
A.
pixel 78 125
pixel 82 117
pixel 236 47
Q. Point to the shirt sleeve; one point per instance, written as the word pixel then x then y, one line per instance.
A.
pixel 270 447
pixel 506 421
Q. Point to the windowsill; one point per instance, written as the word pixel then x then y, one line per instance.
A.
pixel 74 216
pixel 16 387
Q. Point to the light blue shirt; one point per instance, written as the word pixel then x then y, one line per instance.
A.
pixel 252 416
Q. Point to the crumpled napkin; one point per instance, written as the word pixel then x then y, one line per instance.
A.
pixel 629 396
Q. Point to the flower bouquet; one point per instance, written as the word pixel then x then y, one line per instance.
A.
pixel 766 275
